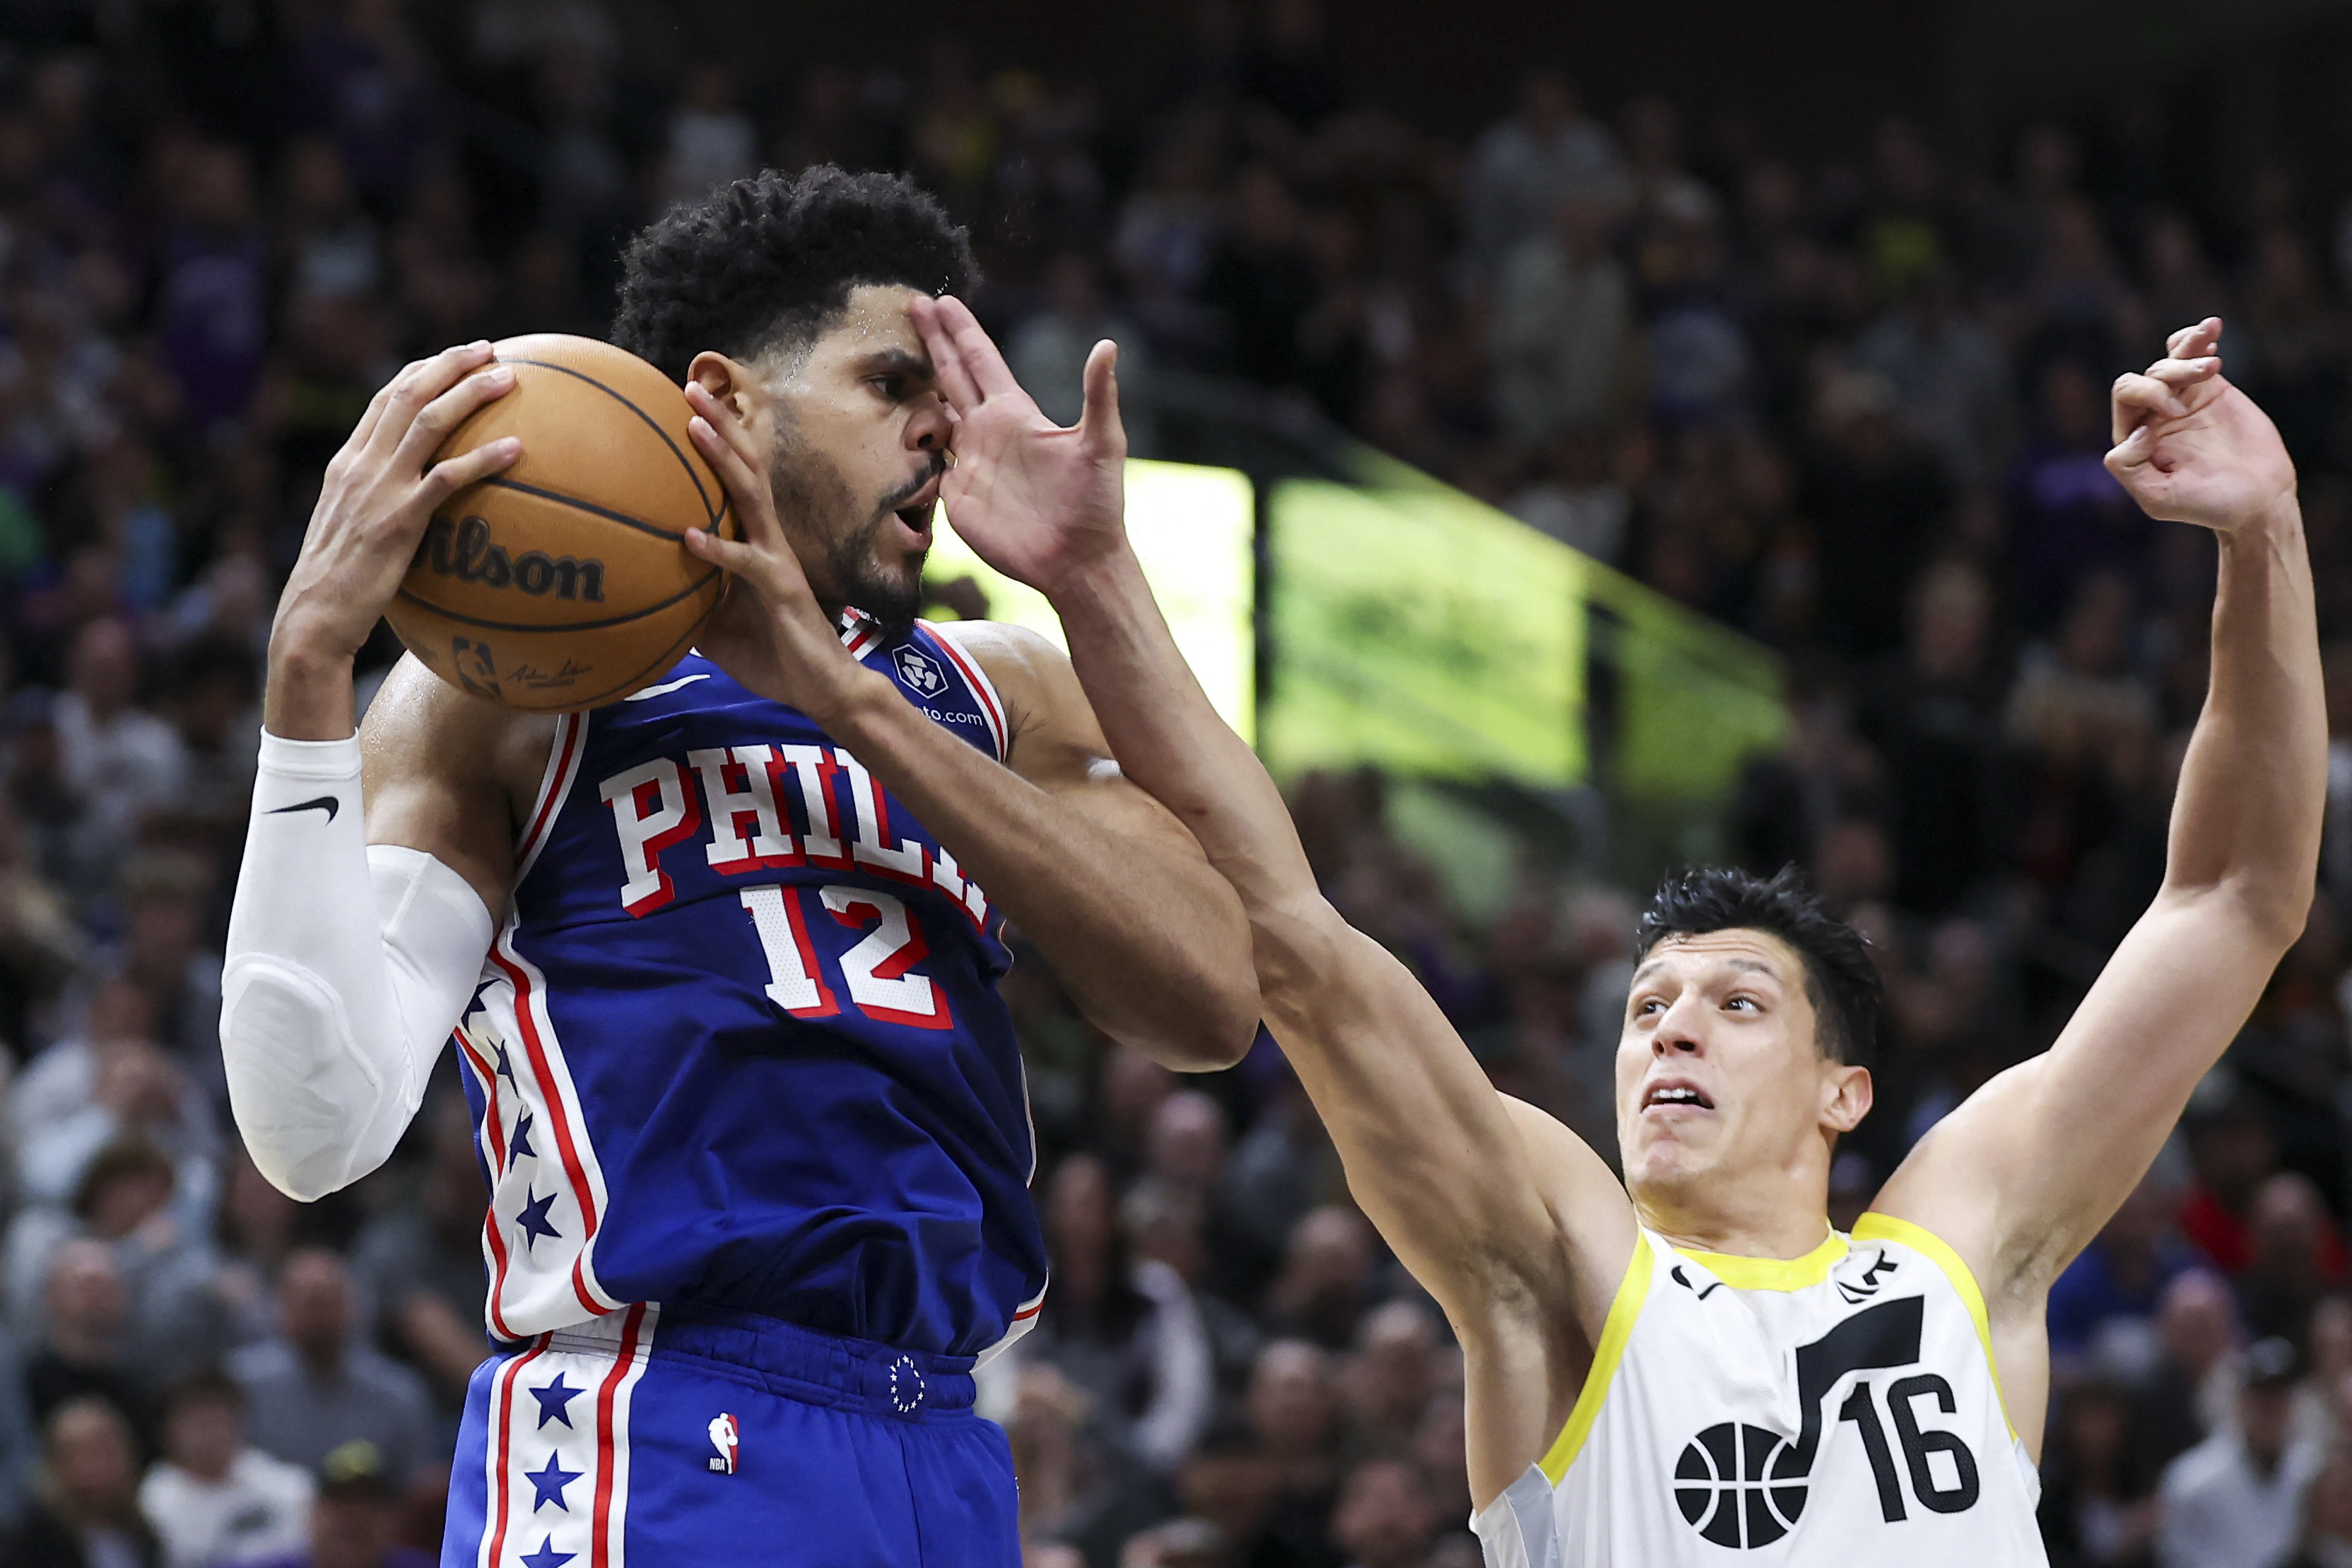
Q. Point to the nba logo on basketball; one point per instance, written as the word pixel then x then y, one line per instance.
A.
pixel 723 1438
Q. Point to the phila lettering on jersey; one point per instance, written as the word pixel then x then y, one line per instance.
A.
pixel 739 1045
pixel 1838 1408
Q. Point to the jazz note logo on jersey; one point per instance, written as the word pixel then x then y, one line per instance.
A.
pixel 1745 1486
pixel 723 1438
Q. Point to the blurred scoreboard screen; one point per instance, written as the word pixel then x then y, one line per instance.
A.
pixel 1418 630
pixel 1193 529
pixel 1422 632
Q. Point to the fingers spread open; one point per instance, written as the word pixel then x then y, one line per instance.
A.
pixel 706 546
pixel 416 387
pixel 448 411
pixel 371 417
pixel 446 477
pixel 727 445
pixel 948 369
pixel 989 372
pixel 773 573
pixel 723 420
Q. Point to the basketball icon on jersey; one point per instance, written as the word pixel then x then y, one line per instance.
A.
pixel 920 671
pixel 1741 1485
pixel 1745 1486
pixel 723 1438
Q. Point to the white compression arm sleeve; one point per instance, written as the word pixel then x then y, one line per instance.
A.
pixel 348 966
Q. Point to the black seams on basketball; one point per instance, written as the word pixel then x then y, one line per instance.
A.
pixel 565 582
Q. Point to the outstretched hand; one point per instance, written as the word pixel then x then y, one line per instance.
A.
pixel 2189 446
pixel 769 631
pixel 1036 501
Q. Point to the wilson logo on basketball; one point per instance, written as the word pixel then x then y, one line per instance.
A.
pixel 463 550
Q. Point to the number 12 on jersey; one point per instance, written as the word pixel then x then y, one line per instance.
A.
pixel 878 972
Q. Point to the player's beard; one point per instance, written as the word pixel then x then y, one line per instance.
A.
pixel 812 494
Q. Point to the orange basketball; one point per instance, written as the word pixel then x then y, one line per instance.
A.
pixel 565 582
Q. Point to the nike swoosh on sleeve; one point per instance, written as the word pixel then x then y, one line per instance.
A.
pixel 326 803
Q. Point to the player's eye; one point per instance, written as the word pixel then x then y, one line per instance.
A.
pixel 1750 1003
pixel 891 387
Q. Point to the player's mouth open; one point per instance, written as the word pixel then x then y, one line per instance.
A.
pixel 918 512
pixel 1664 1095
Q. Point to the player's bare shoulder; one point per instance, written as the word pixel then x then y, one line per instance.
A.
pixel 1032 676
pixel 420 722
pixel 1586 1201
pixel 451 774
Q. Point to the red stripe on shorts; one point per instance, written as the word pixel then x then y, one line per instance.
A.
pixel 601 1548
pixel 503 1406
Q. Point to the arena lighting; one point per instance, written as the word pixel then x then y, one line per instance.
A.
pixel 1192 528
pixel 1420 631
pixel 1695 700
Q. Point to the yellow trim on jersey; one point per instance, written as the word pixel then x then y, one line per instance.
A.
pixel 1932 1246
pixel 1615 1329
pixel 1772 1273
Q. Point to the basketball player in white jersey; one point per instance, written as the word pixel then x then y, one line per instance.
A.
pixel 1691 1365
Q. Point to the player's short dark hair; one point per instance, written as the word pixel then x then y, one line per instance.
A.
pixel 768 263
pixel 1841 981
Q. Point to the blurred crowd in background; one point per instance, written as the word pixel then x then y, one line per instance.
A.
pixel 1854 408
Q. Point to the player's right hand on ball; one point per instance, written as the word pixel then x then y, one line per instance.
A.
pixel 379 494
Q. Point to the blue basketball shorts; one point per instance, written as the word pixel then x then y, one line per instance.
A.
pixel 677 1435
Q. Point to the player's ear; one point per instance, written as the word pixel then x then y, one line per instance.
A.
pixel 1846 1096
pixel 727 379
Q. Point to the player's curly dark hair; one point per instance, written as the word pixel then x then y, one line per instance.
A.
pixel 1841 981
pixel 768 263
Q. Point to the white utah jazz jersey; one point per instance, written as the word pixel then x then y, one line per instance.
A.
pixel 1837 1407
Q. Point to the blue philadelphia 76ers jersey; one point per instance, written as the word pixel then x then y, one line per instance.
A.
pixel 739 1043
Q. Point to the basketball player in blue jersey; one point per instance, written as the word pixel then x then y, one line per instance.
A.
pixel 719 960
pixel 1690 1365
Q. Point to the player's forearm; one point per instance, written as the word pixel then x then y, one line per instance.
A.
pixel 308 695
pixel 345 969
pixel 2253 788
pixel 1148 943
pixel 1169 739
pixel 1425 1139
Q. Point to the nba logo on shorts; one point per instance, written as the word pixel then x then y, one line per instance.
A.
pixel 918 670
pixel 723 1438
